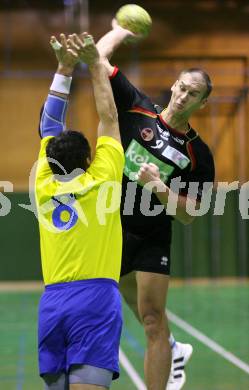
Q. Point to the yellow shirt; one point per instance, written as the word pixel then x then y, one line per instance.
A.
pixel 79 220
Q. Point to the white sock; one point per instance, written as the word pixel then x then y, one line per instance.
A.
pixel 172 341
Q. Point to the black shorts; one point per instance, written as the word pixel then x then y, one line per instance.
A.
pixel 148 252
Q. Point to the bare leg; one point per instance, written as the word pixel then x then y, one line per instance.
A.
pixel 146 295
pixel 128 289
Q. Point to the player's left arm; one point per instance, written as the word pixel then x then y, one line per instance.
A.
pixel 53 112
pixel 149 175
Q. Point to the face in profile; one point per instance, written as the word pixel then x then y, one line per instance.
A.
pixel 188 93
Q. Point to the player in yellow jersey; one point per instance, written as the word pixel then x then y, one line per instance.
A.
pixel 78 210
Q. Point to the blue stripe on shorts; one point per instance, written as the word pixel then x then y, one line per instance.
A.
pixel 79 323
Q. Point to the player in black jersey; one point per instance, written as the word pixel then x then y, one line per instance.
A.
pixel 162 147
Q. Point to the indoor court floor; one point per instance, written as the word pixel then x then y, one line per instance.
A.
pixel 212 316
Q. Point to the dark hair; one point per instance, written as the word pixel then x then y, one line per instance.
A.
pixel 205 77
pixel 70 149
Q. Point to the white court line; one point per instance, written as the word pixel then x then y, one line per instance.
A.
pixel 131 371
pixel 207 341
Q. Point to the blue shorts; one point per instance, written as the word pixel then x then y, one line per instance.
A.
pixel 79 323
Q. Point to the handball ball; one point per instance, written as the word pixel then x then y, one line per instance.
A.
pixel 134 18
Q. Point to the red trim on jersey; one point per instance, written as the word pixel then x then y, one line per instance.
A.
pixel 191 155
pixel 171 128
pixel 115 71
pixel 143 111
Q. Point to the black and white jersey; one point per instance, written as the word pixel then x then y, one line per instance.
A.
pixel 146 137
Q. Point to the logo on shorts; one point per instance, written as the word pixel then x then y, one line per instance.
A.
pixel 147 134
pixel 164 261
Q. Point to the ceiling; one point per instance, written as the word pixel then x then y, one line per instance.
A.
pixel 110 4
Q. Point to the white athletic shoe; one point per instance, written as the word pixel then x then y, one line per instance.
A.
pixel 180 356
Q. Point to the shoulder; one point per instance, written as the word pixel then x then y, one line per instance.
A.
pixel 108 163
pixel 106 142
pixel 43 145
pixel 145 106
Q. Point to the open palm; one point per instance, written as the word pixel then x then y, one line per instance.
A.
pixel 66 56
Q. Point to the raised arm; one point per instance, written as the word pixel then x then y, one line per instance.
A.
pixel 110 42
pixel 53 113
pixel 104 99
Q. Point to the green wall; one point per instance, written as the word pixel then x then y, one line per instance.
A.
pixel 211 246
pixel 20 257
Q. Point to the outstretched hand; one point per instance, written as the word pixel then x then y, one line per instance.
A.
pixel 85 47
pixel 66 56
pixel 130 36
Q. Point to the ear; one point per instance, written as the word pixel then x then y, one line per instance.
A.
pixel 174 85
pixel 203 103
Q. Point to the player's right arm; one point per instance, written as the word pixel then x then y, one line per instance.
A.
pixel 103 95
pixel 104 100
pixel 110 42
pixel 53 112
pixel 125 94
pixel 108 163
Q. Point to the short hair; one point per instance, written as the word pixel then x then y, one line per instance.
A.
pixel 70 149
pixel 205 77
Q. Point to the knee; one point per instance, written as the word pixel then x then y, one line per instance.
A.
pixel 153 323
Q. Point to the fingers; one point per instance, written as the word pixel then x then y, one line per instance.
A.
pixel 154 166
pixel 71 42
pixel 54 43
pixel 82 35
pixel 87 39
pixel 63 41
pixel 78 47
pixel 146 166
pixel 142 170
pixel 65 54
pixel 149 170
pixel 114 23
pixel 53 40
pixel 73 53
pixel 81 42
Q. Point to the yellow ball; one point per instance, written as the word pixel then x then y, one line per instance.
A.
pixel 134 18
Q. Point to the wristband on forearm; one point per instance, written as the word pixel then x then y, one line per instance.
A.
pixel 61 84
